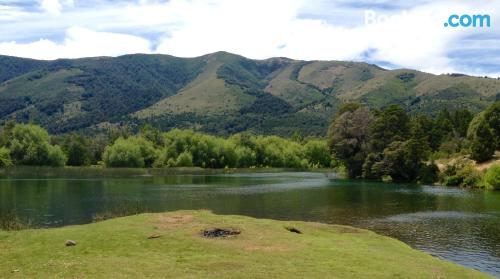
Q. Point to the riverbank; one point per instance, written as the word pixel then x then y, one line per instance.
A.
pixel 28 172
pixel 171 245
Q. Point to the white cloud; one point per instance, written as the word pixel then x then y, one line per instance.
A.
pixel 261 29
pixel 257 29
pixel 51 6
pixel 54 6
pixel 79 42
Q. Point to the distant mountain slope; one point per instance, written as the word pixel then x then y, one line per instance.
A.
pixel 220 93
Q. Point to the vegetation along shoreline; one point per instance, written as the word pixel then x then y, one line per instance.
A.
pixel 383 144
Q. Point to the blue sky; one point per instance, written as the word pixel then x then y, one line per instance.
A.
pixel 395 34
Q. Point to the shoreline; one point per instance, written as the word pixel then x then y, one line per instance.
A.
pixel 161 244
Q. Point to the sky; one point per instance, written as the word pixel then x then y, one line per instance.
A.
pixel 389 33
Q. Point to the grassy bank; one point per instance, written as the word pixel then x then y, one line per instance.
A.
pixel 23 172
pixel 121 248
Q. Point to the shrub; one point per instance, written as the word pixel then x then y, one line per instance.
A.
pixel 492 177
pixel 5 160
pixel 386 178
pixel 56 157
pixel 461 172
pixel 246 157
pixel 77 148
pixel 428 173
pixel 29 145
pixel 317 153
pixel 185 159
pixel 130 152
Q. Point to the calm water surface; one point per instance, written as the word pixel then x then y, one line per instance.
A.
pixel 454 224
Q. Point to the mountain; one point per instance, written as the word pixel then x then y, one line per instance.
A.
pixel 220 93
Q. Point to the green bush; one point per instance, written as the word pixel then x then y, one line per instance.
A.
pixel 56 157
pixel 492 177
pixel 246 157
pixel 185 159
pixel 77 148
pixel 29 145
pixel 130 152
pixel 461 172
pixel 318 154
pixel 5 160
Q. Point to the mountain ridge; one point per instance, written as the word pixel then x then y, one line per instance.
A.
pixel 220 93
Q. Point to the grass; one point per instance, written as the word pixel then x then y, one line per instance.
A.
pixel 265 248
pixel 207 94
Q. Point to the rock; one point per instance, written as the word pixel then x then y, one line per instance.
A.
pixel 155 235
pixel 69 243
pixel 294 230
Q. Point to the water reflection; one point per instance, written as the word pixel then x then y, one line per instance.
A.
pixel 462 226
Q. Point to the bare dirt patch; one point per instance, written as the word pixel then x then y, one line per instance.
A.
pixel 349 230
pixel 167 220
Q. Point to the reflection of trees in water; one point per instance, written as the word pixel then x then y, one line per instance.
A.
pixel 452 222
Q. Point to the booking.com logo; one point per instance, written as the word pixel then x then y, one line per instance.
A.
pixel 454 20
pixel 468 21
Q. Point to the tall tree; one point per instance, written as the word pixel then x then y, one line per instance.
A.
pixel 481 137
pixel 77 148
pixel 392 124
pixel 492 116
pixel 348 138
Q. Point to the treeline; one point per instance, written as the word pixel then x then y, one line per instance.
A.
pixel 28 144
pixel 390 145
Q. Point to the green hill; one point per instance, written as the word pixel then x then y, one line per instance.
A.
pixel 219 93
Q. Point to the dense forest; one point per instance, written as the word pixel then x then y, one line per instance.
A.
pixel 385 144
pixel 389 145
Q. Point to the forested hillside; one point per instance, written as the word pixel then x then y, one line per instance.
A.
pixel 219 93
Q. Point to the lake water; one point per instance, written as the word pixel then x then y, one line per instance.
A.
pixel 458 225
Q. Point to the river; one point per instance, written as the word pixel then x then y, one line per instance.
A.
pixel 459 225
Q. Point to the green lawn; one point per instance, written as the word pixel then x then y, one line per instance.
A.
pixel 121 248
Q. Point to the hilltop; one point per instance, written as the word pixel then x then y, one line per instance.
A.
pixel 219 93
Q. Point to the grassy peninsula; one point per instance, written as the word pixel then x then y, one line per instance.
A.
pixel 171 245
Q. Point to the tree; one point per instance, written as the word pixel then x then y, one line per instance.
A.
pixel 77 148
pixel 152 134
pixel 131 152
pixel 317 153
pixel 481 137
pixel 492 117
pixel 428 128
pixel 492 177
pixel 400 160
pixel 5 160
pixel 444 121
pixel 482 145
pixel 348 138
pixel 185 159
pixel 461 119
pixel 29 145
pixel 351 107
pixel 392 124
